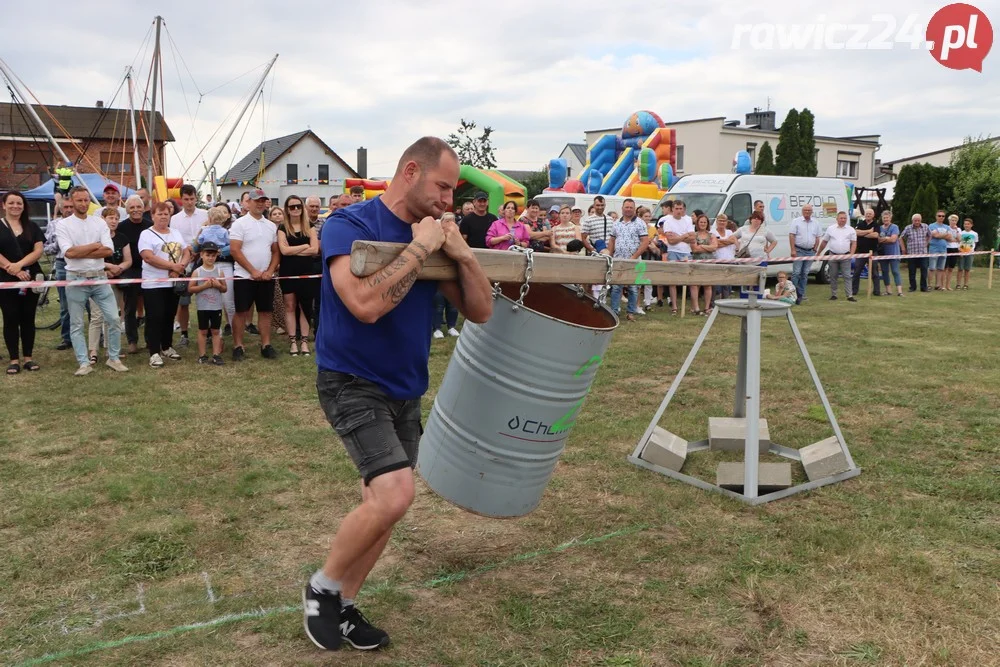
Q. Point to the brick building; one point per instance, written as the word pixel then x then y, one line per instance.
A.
pixel 105 133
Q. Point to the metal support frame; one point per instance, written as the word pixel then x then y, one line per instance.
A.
pixel 747 403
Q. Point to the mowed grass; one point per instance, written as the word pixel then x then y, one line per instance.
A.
pixel 129 493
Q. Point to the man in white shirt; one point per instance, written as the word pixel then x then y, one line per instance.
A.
pixel 187 223
pixel 842 240
pixel 253 243
pixel 679 231
pixel 596 227
pixel 803 239
pixel 85 241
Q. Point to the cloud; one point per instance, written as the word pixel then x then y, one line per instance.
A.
pixel 381 74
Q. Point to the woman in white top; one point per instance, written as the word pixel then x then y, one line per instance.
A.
pixel 756 237
pixel 725 242
pixel 164 255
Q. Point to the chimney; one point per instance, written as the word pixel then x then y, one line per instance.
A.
pixel 363 162
pixel 100 104
pixel 764 120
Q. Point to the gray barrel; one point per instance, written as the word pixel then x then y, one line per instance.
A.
pixel 509 398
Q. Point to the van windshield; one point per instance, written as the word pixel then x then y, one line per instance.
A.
pixel 711 204
pixel 548 201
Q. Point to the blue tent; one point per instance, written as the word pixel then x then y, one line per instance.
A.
pixel 96 183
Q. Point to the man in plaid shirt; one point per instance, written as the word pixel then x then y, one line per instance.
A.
pixel 914 241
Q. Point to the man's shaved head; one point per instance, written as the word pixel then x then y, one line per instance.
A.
pixel 426 152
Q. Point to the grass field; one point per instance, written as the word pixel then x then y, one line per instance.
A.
pixel 133 507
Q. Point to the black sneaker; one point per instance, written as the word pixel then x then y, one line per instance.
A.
pixel 358 632
pixel 64 345
pixel 217 360
pixel 833 298
pixel 227 330
pixel 268 352
pixel 252 329
pixel 851 298
pixel 238 354
pixel 321 618
pixel 203 359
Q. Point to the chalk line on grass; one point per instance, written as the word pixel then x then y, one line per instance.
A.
pixel 276 611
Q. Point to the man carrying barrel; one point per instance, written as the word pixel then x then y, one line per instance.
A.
pixel 372 352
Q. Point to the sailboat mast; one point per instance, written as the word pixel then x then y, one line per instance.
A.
pixel 208 170
pixel 152 109
pixel 135 138
pixel 9 75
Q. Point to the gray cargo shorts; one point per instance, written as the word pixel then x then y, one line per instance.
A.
pixel 380 434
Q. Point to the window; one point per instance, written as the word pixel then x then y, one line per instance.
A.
pixel 116 163
pixel 292 173
pixel 680 159
pixel 739 208
pixel 274 201
pixel 847 168
pixel 752 150
pixel 322 201
pixel 323 174
pixel 29 168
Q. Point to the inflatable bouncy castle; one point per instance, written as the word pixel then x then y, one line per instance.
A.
pixel 639 162
pixel 372 188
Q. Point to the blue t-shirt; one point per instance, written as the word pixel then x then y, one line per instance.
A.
pixel 393 352
pixel 886 232
pixel 937 245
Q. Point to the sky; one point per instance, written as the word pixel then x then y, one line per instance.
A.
pixel 540 73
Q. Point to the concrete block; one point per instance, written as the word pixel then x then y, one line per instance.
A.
pixel 729 434
pixel 770 476
pixel 823 459
pixel 665 449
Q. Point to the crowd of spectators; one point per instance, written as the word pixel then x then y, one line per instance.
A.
pixel 267 248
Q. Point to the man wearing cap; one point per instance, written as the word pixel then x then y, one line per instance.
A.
pixel 253 244
pixel 113 198
pixel 475 225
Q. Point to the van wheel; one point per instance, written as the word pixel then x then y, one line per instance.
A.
pixel 823 275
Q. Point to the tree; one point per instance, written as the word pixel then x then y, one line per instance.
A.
pixel 472 150
pixel 910 178
pixel 807 145
pixel 787 154
pixel 536 183
pixel 975 170
pixel 924 203
pixel 765 160
pixel 907 183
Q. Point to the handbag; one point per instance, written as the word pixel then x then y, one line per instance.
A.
pixel 181 287
pixel 744 252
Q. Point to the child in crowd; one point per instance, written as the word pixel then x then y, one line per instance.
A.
pixel 209 288
pixel 784 290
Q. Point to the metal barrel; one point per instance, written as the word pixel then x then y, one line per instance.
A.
pixel 509 399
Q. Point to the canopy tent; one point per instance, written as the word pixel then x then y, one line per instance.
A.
pixel 96 183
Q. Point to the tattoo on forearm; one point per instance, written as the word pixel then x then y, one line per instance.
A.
pixel 387 272
pixel 421 246
pixel 396 292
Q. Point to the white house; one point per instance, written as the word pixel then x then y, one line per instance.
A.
pixel 576 158
pixel 300 164
pixel 708 146
pixel 889 170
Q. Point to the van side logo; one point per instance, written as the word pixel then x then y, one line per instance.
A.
pixel 778 206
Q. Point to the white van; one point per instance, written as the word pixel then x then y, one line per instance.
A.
pixel 584 201
pixel 783 197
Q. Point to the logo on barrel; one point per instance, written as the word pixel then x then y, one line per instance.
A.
pixel 522 427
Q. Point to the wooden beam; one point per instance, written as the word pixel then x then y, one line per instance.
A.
pixel 367 257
